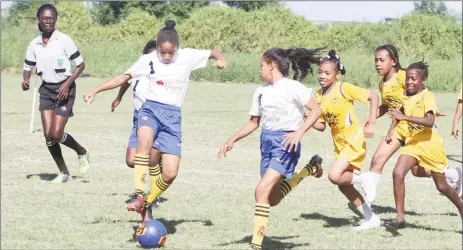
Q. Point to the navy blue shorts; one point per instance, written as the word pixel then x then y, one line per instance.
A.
pixel 166 122
pixel 133 140
pixel 275 156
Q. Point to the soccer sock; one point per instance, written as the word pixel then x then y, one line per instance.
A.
pixel 154 171
pixel 365 209
pixel 356 179
pixel 289 184
pixel 260 223
pixel 156 190
pixel 141 163
pixel 70 142
pixel 55 151
pixel 376 177
pixel 451 174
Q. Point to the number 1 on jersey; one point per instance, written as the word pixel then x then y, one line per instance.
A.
pixel 151 67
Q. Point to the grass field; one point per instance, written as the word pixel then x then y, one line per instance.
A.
pixel 211 203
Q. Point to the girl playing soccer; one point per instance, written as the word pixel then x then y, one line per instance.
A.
pixel 278 105
pixel 336 99
pixel 139 87
pixel 52 53
pixel 392 89
pixel 413 126
pixel 159 120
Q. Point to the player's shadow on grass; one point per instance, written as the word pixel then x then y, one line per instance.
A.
pixel 387 209
pixel 330 221
pixel 396 233
pixel 270 242
pixel 454 158
pixel 51 176
pixel 170 226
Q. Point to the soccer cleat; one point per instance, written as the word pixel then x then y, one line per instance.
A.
pixel 61 178
pixel 316 161
pixel 146 213
pixel 84 162
pixel 135 202
pixel 459 183
pixel 394 224
pixel 371 223
pixel 157 202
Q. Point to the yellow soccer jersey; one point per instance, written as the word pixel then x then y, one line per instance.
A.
pixel 338 106
pixel 417 106
pixel 392 92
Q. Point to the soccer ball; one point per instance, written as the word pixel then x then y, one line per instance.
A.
pixel 151 234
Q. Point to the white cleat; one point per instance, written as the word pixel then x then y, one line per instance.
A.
pixel 373 222
pixel 61 178
pixel 84 162
pixel 459 183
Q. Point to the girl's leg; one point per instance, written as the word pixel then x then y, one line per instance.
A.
pixel 382 155
pixel 404 164
pixel 269 182
pixel 53 146
pixel 445 189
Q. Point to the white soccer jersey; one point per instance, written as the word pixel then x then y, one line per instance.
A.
pixel 140 86
pixel 168 82
pixel 53 60
pixel 281 105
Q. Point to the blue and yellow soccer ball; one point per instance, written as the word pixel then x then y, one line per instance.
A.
pixel 152 234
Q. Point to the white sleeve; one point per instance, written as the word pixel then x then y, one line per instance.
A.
pixel 255 106
pixel 30 61
pixel 300 93
pixel 71 51
pixel 198 58
pixel 143 67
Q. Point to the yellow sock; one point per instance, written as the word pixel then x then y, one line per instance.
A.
pixel 154 171
pixel 141 163
pixel 260 224
pixel 289 184
pixel 156 190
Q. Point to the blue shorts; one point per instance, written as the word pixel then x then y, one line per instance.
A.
pixel 133 140
pixel 275 156
pixel 166 122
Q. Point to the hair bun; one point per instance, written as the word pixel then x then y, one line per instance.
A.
pixel 170 24
pixel 333 55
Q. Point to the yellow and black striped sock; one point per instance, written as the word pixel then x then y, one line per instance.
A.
pixel 154 171
pixel 289 184
pixel 141 163
pixel 261 214
pixel 156 190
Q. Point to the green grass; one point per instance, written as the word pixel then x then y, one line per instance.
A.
pixel 210 204
pixel 111 58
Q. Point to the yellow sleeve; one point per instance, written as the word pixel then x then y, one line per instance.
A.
pixel 429 103
pixel 401 75
pixel 352 92
pixel 459 97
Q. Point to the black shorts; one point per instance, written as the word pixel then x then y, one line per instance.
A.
pixel 49 98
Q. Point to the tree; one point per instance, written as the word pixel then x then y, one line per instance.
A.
pixel 112 11
pixel 431 7
pixel 249 5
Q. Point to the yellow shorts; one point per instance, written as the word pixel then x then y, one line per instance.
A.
pixel 428 152
pixel 350 145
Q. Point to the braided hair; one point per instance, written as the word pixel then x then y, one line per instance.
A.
pixel 392 53
pixel 334 58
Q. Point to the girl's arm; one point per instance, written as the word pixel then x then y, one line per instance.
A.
pixel 219 58
pixel 456 119
pixel 427 120
pixel 391 131
pixel 370 127
pixel 252 125
pixel 111 83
